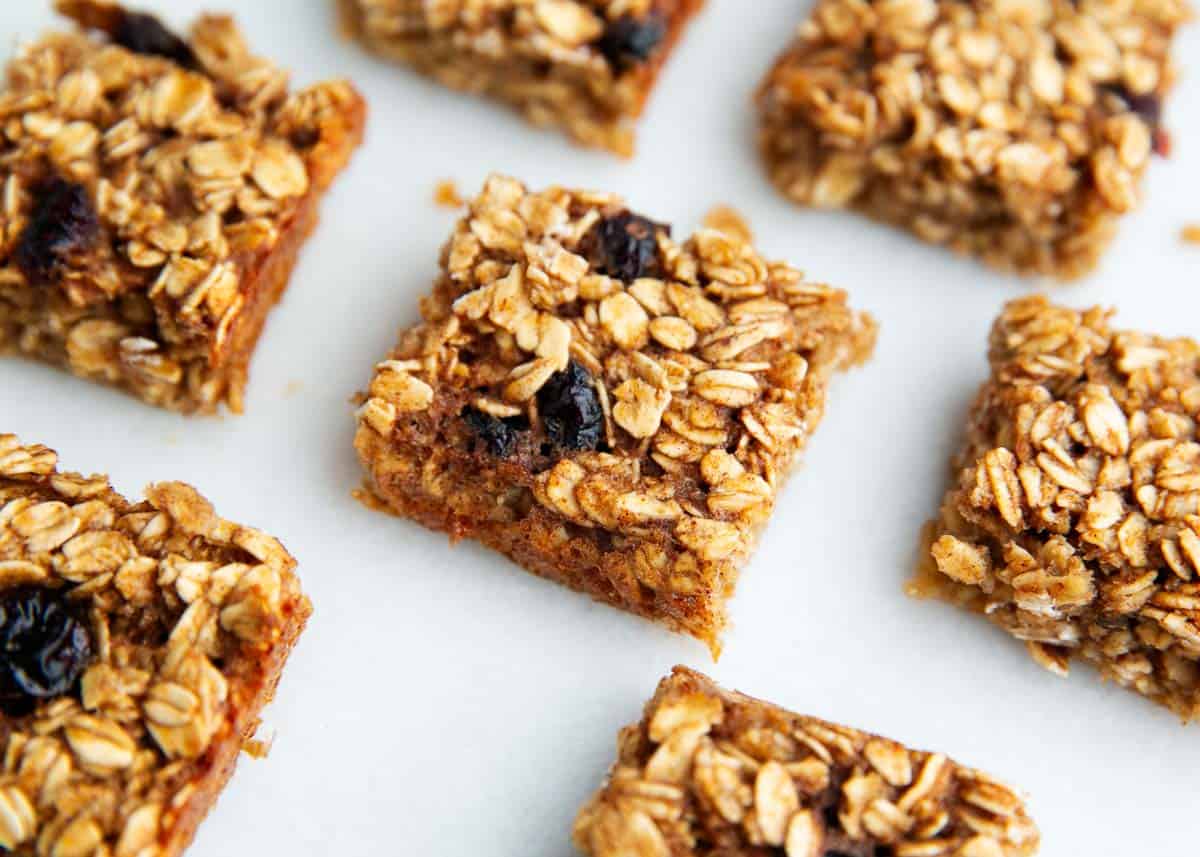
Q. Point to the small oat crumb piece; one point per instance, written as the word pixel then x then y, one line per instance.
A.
pixel 708 766
pixel 1191 233
pixel 1017 132
pixel 1072 521
pixel 155 192
pixel 613 408
pixel 141 641
pixel 586 67
pixel 257 748
pixel 724 218
pixel 445 194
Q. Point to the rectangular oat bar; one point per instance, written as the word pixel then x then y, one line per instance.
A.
pixel 138 643
pixel 154 194
pixel 1073 519
pixel 1017 131
pixel 584 66
pixel 708 772
pixel 610 408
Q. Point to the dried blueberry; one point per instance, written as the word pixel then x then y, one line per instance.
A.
pixel 45 646
pixel 1148 108
pixel 500 435
pixel 145 34
pixel 570 409
pixel 624 246
pixel 629 40
pixel 63 222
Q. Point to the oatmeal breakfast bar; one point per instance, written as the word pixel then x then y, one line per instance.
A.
pixel 154 194
pixel 1074 521
pixel 138 644
pixel 612 409
pixel 584 66
pixel 1014 130
pixel 708 772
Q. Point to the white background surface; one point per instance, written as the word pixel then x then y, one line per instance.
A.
pixel 445 703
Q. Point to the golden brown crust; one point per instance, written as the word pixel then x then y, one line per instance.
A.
pixel 1072 521
pixel 708 369
pixel 710 773
pixel 192 619
pixel 204 178
pixel 208 786
pixel 541 58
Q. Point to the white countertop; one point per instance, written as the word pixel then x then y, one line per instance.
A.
pixel 443 702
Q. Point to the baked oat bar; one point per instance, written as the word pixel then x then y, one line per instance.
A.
pixel 584 66
pixel 1014 130
pixel 708 772
pixel 1073 522
pixel 154 194
pixel 612 409
pixel 138 643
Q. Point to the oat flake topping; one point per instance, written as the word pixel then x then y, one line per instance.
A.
pixel 1074 522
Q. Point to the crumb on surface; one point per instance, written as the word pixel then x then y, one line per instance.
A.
pixel 445 194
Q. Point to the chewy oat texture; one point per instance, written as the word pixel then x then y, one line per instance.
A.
pixel 1073 522
pixel 138 642
pixel 1015 130
pixel 612 409
pixel 708 772
pixel 154 194
pixel 584 66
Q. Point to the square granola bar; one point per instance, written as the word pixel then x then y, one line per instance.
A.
pixel 154 194
pixel 709 772
pixel 610 408
pixel 138 644
pixel 585 66
pixel 1073 522
pixel 1014 130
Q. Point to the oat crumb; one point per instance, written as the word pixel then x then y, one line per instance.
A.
pixel 257 748
pixel 446 195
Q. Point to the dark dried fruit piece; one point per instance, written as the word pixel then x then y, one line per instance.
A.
pixel 629 40
pixel 500 435
pixel 570 409
pixel 624 246
pixel 45 646
pixel 63 222
pixel 145 34
pixel 1148 108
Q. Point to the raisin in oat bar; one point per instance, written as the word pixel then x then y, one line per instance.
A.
pixel 1017 131
pixel 708 772
pixel 1073 522
pixel 138 643
pixel 585 66
pixel 610 408
pixel 155 194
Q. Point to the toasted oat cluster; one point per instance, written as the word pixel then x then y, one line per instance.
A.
pixel 154 194
pixel 1073 522
pixel 612 409
pixel 586 67
pixel 1014 130
pixel 708 772
pixel 138 642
